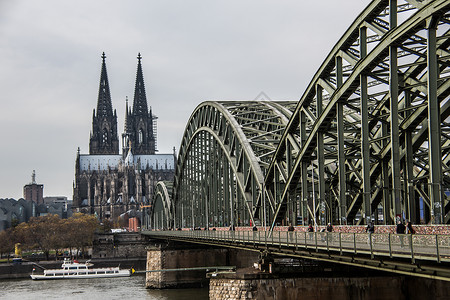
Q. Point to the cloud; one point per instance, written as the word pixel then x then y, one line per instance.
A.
pixel 192 51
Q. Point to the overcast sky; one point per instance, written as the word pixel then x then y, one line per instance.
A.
pixel 193 51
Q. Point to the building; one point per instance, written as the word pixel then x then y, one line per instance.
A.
pixel 110 184
pixel 13 212
pixel 33 191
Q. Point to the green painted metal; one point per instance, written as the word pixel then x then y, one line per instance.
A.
pixel 376 92
pixel 159 215
pixel 226 150
pixel 368 139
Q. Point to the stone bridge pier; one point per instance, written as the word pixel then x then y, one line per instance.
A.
pixel 163 255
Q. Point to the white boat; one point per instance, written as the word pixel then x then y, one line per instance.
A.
pixel 74 269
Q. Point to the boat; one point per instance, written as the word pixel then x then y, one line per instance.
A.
pixel 76 270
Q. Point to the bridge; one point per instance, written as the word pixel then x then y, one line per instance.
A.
pixel 367 141
pixel 425 256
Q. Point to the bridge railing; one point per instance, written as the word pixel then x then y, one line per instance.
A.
pixel 414 246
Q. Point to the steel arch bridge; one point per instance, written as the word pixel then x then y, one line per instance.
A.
pixel 368 139
pixel 224 156
pixel 160 212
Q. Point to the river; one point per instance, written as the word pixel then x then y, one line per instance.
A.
pixel 92 289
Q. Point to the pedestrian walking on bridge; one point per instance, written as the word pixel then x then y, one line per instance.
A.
pixel 310 230
pixel 370 229
pixel 291 231
pixel 329 232
pixel 400 230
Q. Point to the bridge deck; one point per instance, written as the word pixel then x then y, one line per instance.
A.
pixel 417 255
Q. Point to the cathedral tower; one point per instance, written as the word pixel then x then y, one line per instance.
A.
pixel 139 130
pixel 104 138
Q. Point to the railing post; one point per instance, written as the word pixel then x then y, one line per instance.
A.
pixel 371 246
pixel 354 242
pixel 412 248
pixel 340 243
pixel 306 243
pixel 265 236
pixel 390 245
pixel 279 239
pixel 317 250
pixel 328 238
pixel 296 242
pixel 437 249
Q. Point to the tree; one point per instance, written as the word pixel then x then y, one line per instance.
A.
pixel 82 230
pixel 51 233
pixel 6 242
pixel 42 232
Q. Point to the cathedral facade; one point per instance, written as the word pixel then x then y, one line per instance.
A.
pixel 110 184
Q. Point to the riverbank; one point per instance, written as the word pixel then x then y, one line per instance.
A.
pixel 23 270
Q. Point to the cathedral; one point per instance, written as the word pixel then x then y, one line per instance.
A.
pixel 110 184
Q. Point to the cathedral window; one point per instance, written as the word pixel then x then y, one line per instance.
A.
pixel 141 136
pixel 105 136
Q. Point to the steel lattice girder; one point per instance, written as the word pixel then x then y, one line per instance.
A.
pixel 224 155
pixel 161 210
pixel 388 154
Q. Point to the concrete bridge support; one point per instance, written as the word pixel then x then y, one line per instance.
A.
pixel 170 255
pixel 337 288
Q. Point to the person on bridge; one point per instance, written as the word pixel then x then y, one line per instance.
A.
pixel 409 228
pixel 310 230
pixel 400 230
pixel 291 231
pixel 370 229
pixel 329 232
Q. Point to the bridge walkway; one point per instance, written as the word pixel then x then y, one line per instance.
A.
pixel 416 255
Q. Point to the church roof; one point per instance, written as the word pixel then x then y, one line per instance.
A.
pixel 102 162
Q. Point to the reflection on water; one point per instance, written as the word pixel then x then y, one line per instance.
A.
pixel 100 288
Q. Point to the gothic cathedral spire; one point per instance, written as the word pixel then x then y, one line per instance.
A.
pixel 104 138
pixel 140 100
pixel 139 132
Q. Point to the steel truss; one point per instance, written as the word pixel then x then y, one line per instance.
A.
pixel 370 133
pixel 226 150
pixel 161 210
pixel 368 139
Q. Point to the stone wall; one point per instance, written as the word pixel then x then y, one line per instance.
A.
pixel 367 288
pixel 119 245
pixel 177 256
pixel 163 259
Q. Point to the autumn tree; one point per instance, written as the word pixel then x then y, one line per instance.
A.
pixel 51 233
pixel 6 242
pixel 42 232
pixel 82 230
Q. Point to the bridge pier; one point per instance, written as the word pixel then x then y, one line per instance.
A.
pixel 294 278
pixel 327 286
pixel 163 255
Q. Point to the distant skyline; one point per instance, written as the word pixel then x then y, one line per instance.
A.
pixel 192 51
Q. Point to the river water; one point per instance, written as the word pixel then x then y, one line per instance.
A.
pixel 125 288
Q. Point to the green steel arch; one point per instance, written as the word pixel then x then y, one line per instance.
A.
pixel 161 216
pixel 224 156
pixel 369 138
